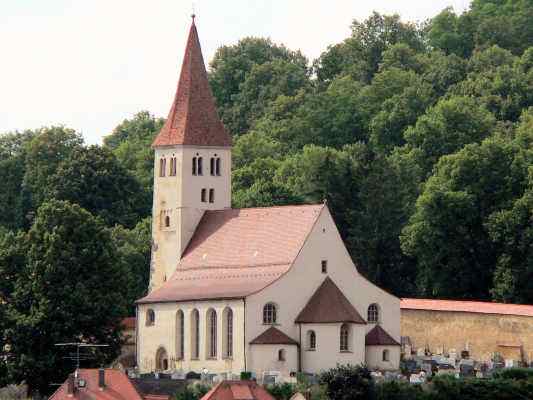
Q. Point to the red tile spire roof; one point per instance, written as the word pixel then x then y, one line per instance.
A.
pixel 193 118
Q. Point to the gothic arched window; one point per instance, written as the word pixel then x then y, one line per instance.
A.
pixel 180 335
pixel 269 313
pixel 167 221
pixel 344 344
pixel 195 334
pixel 194 166
pixel 211 333
pixel 150 317
pixel 200 168
pixel 212 166
pixel 211 195
pixel 162 166
pixel 311 340
pixel 217 166
pixel 373 313
pixel 228 333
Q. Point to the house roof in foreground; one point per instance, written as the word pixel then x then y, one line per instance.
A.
pixel 236 252
pixel 378 336
pixel 328 304
pixel 273 336
pixel 237 390
pixel 479 307
pixel 117 387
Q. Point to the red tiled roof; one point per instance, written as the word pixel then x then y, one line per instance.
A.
pixel 117 387
pixel 377 336
pixel 238 390
pixel 128 323
pixel 193 118
pixel 480 307
pixel 234 253
pixel 328 304
pixel 273 336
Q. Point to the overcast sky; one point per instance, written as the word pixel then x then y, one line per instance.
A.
pixel 89 64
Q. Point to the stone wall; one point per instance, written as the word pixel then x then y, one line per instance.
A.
pixel 481 334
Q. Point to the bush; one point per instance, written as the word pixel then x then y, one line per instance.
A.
pixel 514 373
pixel 246 376
pixel 283 391
pixel 348 382
pixel 396 390
pixel 193 392
pixel 449 388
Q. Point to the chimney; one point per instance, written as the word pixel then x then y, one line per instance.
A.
pixel 70 385
pixel 101 379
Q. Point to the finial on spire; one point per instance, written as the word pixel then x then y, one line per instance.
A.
pixel 193 15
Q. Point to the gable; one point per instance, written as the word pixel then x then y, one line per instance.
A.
pixel 328 305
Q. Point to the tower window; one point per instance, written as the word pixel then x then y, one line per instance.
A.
pixel 212 166
pixel 200 166
pixel 211 195
pixel 203 196
pixel 162 167
pixel 217 166
pixel 324 266
pixel 167 221
pixel 194 164
pixel 173 166
pixel 150 317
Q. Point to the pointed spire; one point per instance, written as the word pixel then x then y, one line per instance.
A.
pixel 193 118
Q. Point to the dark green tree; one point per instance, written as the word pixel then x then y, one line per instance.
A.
pixel 69 286
pixel 93 178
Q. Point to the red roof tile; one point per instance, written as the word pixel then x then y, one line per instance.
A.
pixel 273 336
pixel 117 387
pixel 479 307
pixel 377 336
pixel 193 118
pixel 328 304
pixel 234 253
pixel 238 390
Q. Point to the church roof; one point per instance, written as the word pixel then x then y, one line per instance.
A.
pixel 193 118
pixel 377 336
pixel 236 252
pixel 238 390
pixel 328 304
pixel 273 336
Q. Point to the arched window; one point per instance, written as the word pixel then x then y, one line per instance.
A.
pixel 162 166
pixel 203 195
pixel 344 338
pixel 161 359
pixel 195 334
pixel 281 355
pixel 150 317
pixel 194 166
pixel 211 195
pixel 386 356
pixel 200 166
pixel 167 221
pixel 180 335
pixel 212 166
pixel 217 167
pixel 227 326
pixel 311 340
pixel 173 167
pixel 373 313
pixel 211 333
pixel 269 313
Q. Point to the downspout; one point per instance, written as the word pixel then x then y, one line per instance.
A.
pixel 137 336
pixel 244 335
pixel 300 349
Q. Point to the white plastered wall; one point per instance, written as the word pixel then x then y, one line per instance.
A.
pixel 374 357
pixel 264 357
pixel 164 334
pixel 327 353
pixel 179 197
pixel 292 291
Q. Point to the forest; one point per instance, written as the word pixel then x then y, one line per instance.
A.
pixel 418 135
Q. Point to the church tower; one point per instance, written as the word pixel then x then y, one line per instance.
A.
pixel 192 168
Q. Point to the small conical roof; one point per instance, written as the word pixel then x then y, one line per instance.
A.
pixel 193 118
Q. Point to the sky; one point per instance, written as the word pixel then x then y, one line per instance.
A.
pixel 89 64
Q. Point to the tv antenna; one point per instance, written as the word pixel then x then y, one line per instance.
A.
pixel 77 356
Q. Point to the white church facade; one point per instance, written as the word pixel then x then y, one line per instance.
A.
pixel 258 289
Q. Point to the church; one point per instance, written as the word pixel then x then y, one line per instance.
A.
pixel 270 291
